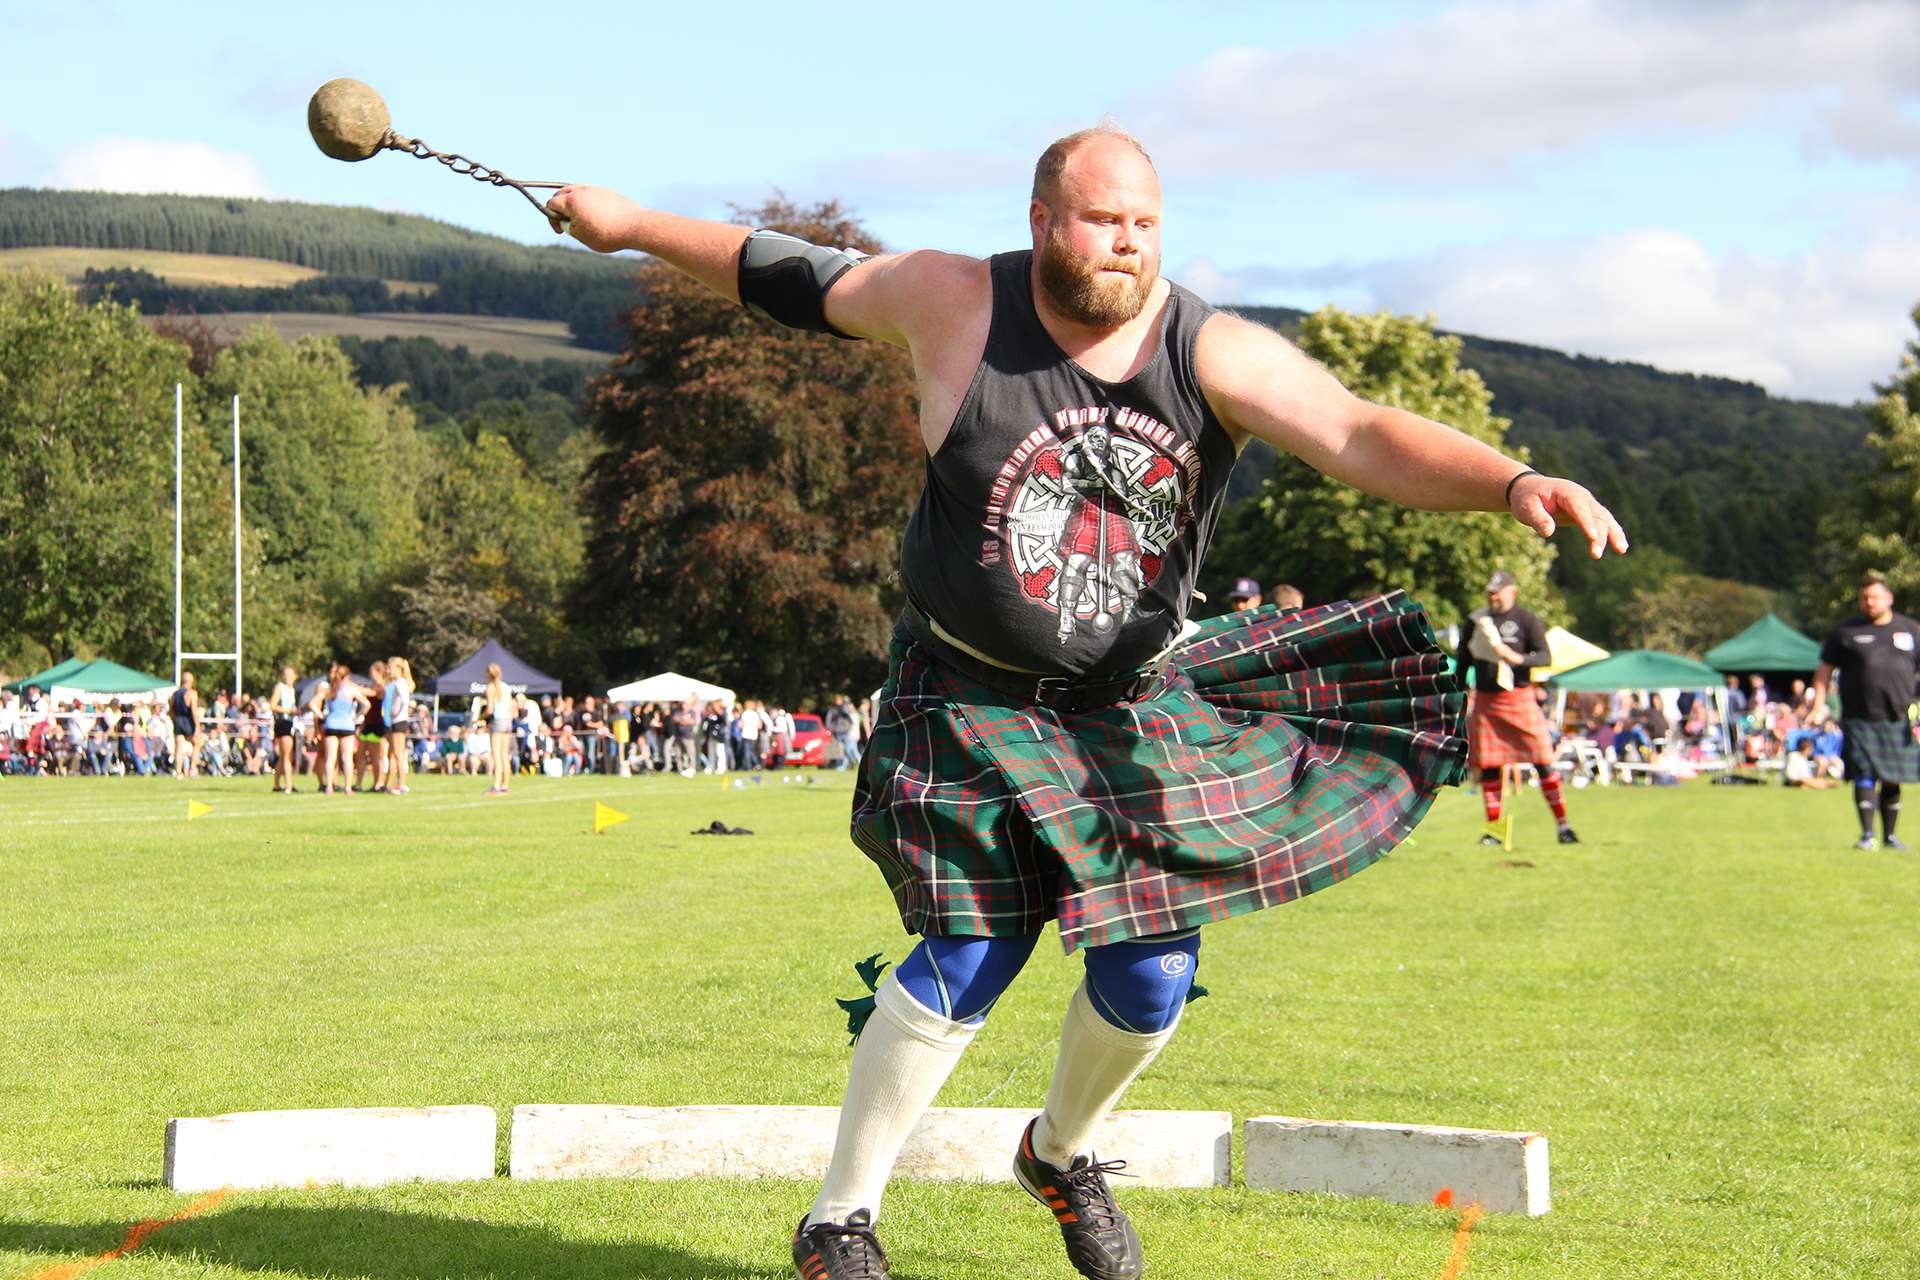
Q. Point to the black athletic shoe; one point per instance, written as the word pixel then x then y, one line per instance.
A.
pixel 1490 839
pixel 1895 844
pixel 839 1251
pixel 1101 1243
pixel 1866 844
pixel 1567 836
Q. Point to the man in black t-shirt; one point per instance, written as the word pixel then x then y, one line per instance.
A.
pixel 1876 655
pixel 1502 643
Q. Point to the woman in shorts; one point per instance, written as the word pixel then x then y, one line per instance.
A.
pixel 337 704
pixel 185 709
pixel 371 757
pixel 283 703
pixel 499 730
pixel 398 707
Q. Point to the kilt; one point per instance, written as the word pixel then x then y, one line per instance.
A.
pixel 1281 752
pixel 1506 727
pixel 1883 750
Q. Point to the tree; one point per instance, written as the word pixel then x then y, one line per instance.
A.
pixel 1881 533
pixel 1333 541
pixel 331 480
pixel 1691 614
pixel 86 480
pixel 502 548
pixel 747 507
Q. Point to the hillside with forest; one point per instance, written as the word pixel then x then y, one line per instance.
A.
pixel 1713 475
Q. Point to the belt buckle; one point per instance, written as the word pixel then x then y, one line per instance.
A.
pixel 1047 684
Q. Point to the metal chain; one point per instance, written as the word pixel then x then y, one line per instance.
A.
pixel 469 168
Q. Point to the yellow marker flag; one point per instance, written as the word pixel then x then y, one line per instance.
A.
pixel 605 816
pixel 195 809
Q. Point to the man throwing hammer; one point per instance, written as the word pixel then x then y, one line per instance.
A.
pixel 1502 644
pixel 1045 752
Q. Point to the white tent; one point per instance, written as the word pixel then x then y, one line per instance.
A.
pixel 670 686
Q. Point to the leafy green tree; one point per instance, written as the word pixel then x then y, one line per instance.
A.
pixel 1333 541
pixel 747 507
pixel 1881 531
pixel 331 479
pixel 503 548
pixel 1690 614
pixel 86 480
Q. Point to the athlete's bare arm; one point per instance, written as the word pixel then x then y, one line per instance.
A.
pixel 1822 680
pixel 1261 385
pixel 937 305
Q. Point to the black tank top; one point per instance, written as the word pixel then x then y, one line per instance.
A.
pixel 1065 517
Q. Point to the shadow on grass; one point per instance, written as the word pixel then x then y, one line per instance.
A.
pixel 380 1244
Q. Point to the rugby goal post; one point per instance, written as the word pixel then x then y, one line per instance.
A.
pixel 181 656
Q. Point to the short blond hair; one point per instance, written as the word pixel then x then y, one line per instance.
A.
pixel 1053 161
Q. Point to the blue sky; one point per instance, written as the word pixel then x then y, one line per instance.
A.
pixel 1729 186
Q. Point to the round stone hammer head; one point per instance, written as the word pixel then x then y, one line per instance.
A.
pixel 347 119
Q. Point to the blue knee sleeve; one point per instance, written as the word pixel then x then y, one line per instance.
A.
pixel 960 978
pixel 1141 985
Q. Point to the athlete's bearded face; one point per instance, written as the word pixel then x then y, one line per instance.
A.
pixel 1876 601
pixel 1097 243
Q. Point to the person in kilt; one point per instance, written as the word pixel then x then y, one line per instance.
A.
pixel 1502 643
pixel 1055 741
pixel 1875 654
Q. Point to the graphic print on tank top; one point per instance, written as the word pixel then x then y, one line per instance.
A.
pixel 1082 513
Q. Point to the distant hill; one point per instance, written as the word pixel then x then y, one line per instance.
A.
pixel 359 260
pixel 1715 470
pixel 332 239
pixel 1712 469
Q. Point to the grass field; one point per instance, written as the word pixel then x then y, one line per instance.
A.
pixel 513 336
pixel 192 269
pixel 72 264
pixel 1710 1007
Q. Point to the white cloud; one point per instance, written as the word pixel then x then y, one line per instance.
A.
pixel 159 165
pixel 1489 83
pixel 1825 325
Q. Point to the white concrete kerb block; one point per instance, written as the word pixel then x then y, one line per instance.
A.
pixel 348 1146
pixel 971 1144
pixel 1407 1163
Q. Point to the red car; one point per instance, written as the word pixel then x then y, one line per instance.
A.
pixel 810 744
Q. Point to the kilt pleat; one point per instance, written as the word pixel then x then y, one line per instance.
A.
pixel 1505 727
pixel 1283 752
pixel 1883 750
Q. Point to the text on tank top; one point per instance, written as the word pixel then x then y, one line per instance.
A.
pixel 1065 517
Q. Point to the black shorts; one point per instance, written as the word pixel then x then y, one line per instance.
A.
pixel 338 733
pixel 282 727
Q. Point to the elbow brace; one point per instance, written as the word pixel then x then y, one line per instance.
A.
pixel 785 279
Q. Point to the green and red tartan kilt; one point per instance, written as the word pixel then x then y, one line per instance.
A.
pixel 1282 752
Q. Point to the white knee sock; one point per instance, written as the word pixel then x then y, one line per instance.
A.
pixel 905 1054
pixel 1097 1062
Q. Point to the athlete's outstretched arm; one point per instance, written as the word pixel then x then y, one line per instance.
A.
pixel 1261 385
pixel 890 298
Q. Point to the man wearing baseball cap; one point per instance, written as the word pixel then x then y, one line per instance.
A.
pixel 1245 594
pixel 1502 644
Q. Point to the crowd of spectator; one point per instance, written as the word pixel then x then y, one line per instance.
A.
pixel 550 735
pixel 1638 733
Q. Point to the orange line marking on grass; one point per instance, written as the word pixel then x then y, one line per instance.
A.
pixel 136 1236
pixel 1457 1257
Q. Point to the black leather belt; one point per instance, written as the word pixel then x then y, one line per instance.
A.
pixel 1056 693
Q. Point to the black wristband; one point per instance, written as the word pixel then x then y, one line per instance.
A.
pixel 1507 497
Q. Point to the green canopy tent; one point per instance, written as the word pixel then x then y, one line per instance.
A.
pixel 45 679
pixel 101 678
pixel 1768 645
pixel 1648 669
